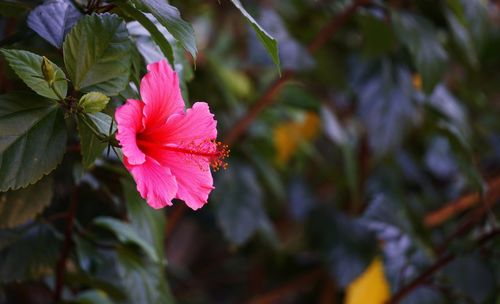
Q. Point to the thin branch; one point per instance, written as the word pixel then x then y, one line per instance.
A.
pixel 421 279
pixel 265 100
pixel 439 264
pixel 455 207
pixel 491 197
pixel 335 24
pixel 434 219
pixel 269 95
pixel 68 241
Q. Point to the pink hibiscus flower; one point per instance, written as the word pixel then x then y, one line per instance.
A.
pixel 167 150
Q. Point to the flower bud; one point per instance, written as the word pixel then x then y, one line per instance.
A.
pixel 48 71
pixel 93 102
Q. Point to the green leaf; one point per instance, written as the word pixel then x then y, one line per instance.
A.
pixel 126 234
pixel 93 102
pixel 419 37
pixel 384 89
pixel 140 279
pixel 184 70
pixel 150 226
pixel 269 42
pixel 103 123
pixel 97 54
pixel 85 278
pixel 463 153
pixel 239 216
pixel 478 284
pixel 378 37
pixel 92 297
pixel 157 36
pixel 146 221
pixel 348 254
pixel 32 139
pixel 463 39
pixel 135 72
pixel 91 145
pixel 19 206
pixel 28 67
pixel 144 281
pixel 469 24
pixel 32 253
pixel 170 18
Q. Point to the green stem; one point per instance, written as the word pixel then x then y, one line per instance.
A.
pixel 96 133
pixel 57 93
pixel 109 139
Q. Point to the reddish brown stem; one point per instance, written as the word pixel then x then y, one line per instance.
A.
pixel 334 25
pixel 421 279
pixel 266 100
pixel 436 218
pixel 439 264
pixel 68 241
pixel 455 207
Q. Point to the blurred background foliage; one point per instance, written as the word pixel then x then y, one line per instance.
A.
pixel 364 168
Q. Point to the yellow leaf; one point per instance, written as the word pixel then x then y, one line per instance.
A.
pixel 288 136
pixel 371 287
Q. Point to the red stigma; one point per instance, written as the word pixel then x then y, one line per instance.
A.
pixel 214 152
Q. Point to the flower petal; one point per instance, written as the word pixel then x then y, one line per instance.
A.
pixel 155 183
pixel 195 125
pixel 161 94
pixel 194 185
pixel 129 121
pixel 192 173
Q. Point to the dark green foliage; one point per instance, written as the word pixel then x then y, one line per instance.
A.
pixel 19 206
pixel 239 216
pixel 93 145
pixel 33 139
pixel 382 115
pixel 28 252
pixel 269 42
pixel 97 54
pixel 170 17
pixel 28 67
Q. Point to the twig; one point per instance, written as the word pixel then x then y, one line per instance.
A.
pixel 334 25
pixel 421 279
pixel 436 218
pixel 453 208
pixel 68 240
pixel 268 97
pixel 439 264
pixel 265 100
pixel 492 196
